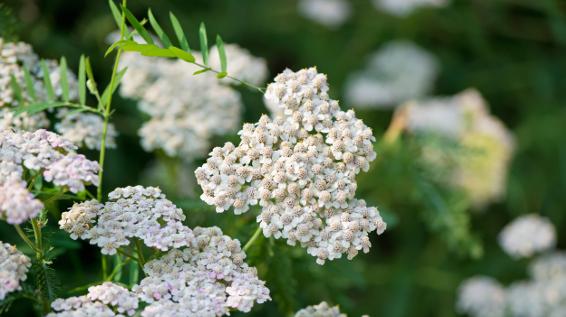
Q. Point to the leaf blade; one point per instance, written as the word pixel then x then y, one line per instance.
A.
pixel 82 80
pixel 47 81
pixel 158 30
pixel 29 83
pixel 203 43
pixel 63 80
pixel 137 25
pixel 222 56
pixel 183 42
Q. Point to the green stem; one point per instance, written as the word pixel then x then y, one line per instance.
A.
pixel 38 239
pixel 106 117
pixel 24 237
pixel 252 239
pixel 40 257
pixel 139 250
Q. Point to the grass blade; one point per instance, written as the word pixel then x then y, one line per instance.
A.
pixel 63 80
pixel 179 32
pixel 137 26
pixel 158 30
pixel 203 43
pixel 47 81
pixel 222 56
pixel 82 81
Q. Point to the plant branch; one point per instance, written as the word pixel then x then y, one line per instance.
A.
pixel 252 239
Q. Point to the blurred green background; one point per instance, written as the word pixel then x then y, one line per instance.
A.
pixel 512 51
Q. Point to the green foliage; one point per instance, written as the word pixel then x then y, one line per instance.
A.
pixel 512 51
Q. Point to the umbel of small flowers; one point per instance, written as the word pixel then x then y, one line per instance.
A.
pixel 406 7
pixel 399 71
pixel 203 272
pixel 14 266
pixel 527 235
pixel 46 154
pixel 207 278
pixel 544 294
pixel 83 129
pixel 330 13
pixel 130 212
pixel 105 300
pixel 300 168
pixel 320 310
pixel 187 110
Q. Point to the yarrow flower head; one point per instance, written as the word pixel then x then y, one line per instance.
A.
pixel 481 297
pixel 320 310
pixel 406 7
pixel 105 300
pixel 527 235
pixel 207 278
pixel 131 212
pixel 480 167
pixel 398 72
pixel 14 266
pixel 300 168
pixel 47 154
pixel 330 13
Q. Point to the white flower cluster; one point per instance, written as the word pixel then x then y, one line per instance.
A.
pixel 84 129
pixel 105 300
pixel 481 297
pixel 406 7
pixel 130 212
pixel 23 121
pixel 480 168
pixel 13 58
pixel 543 295
pixel 320 310
pixel 186 110
pixel 241 64
pixel 330 13
pixel 300 168
pixel 81 128
pixel 527 235
pixel 14 266
pixel 398 72
pixel 207 278
pixel 47 154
